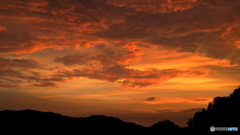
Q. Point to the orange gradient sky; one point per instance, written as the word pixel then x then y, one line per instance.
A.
pixel 142 61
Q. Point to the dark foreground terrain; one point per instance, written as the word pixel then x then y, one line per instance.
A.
pixel 221 112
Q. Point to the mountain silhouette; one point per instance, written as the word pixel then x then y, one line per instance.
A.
pixel 165 127
pixel 36 122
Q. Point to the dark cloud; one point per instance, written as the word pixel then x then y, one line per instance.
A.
pixel 14 72
pixel 9 73
pixel 166 110
pixel 10 70
pixel 151 99
pixel 104 54
pixel 193 110
pixel 45 84
pixel 8 86
pixel 21 63
pixel 200 99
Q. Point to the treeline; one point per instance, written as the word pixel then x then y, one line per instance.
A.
pixel 221 112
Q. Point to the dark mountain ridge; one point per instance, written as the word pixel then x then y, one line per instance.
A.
pixel 36 122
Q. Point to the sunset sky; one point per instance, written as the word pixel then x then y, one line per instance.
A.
pixel 142 61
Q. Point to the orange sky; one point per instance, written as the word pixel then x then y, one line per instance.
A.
pixel 140 60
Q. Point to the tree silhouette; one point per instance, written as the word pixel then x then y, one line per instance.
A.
pixel 221 112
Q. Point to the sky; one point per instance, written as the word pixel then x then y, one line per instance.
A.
pixel 142 61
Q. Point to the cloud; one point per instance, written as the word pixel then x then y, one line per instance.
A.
pixel 42 24
pixel 129 26
pixel 187 31
pixel 16 72
pixel 153 6
pixel 30 26
pixel 105 55
pixel 151 98
pixel 45 84
pixel 191 110
pixel 165 110
pixel 200 99
pixel 21 63
pixel 111 64
pixel 8 86
pixel 2 28
pixel 10 70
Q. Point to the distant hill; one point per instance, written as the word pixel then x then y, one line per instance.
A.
pixel 165 127
pixel 36 122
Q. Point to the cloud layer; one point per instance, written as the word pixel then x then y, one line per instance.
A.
pixel 111 64
pixel 204 28
pixel 208 28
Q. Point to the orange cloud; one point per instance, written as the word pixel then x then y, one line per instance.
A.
pixel 37 25
pixel 111 64
pixel 238 46
pixel 2 28
pixel 153 6
pixel 130 77
pixel 20 71
pixel 43 24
